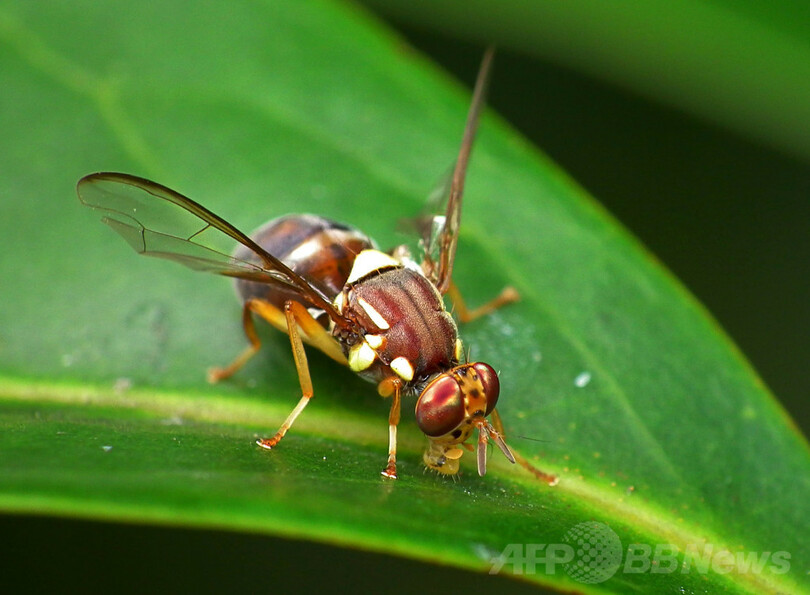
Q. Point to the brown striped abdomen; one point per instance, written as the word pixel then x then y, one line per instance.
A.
pixel 322 251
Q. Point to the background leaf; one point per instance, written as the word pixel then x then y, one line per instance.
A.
pixel 672 440
pixel 744 64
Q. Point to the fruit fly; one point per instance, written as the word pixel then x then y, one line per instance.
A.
pixel 328 285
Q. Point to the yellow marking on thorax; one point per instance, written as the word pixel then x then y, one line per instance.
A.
pixel 369 261
pixel 377 318
pixel 340 302
pixel 403 368
pixel 375 341
pixel 361 356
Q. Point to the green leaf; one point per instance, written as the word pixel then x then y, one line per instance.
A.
pixel 612 375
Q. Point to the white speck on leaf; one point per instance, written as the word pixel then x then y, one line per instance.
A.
pixel 582 380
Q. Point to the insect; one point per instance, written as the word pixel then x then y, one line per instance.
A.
pixel 328 285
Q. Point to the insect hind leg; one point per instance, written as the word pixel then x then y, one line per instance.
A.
pixel 313 333
pixel 267 311
pixel 508 295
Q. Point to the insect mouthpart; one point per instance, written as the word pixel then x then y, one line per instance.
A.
pixel 485 432
pixel 451 407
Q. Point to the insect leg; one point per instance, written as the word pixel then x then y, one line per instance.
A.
pixel 250 306
pixel 316 335
pixel 393 420
pixel 549 478
pixel 313 333
pixel 295 314
pixel 507 296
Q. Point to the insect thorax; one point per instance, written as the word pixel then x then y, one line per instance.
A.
pixel 407 331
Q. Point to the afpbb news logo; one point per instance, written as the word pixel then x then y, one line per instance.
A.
pixel 591 553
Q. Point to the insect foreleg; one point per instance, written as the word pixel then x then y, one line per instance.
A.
pixel 393 420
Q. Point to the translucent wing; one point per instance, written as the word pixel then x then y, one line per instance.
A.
pixel 428 224
pixel 160 222
pixel 442 232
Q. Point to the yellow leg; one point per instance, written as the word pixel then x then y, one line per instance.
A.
pixel 393 420
pixel 550 479
pixel 296 315
pixel 507 296
pixel 217 374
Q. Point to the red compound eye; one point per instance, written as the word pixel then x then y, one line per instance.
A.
pixel 492 386
pixel 440 408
